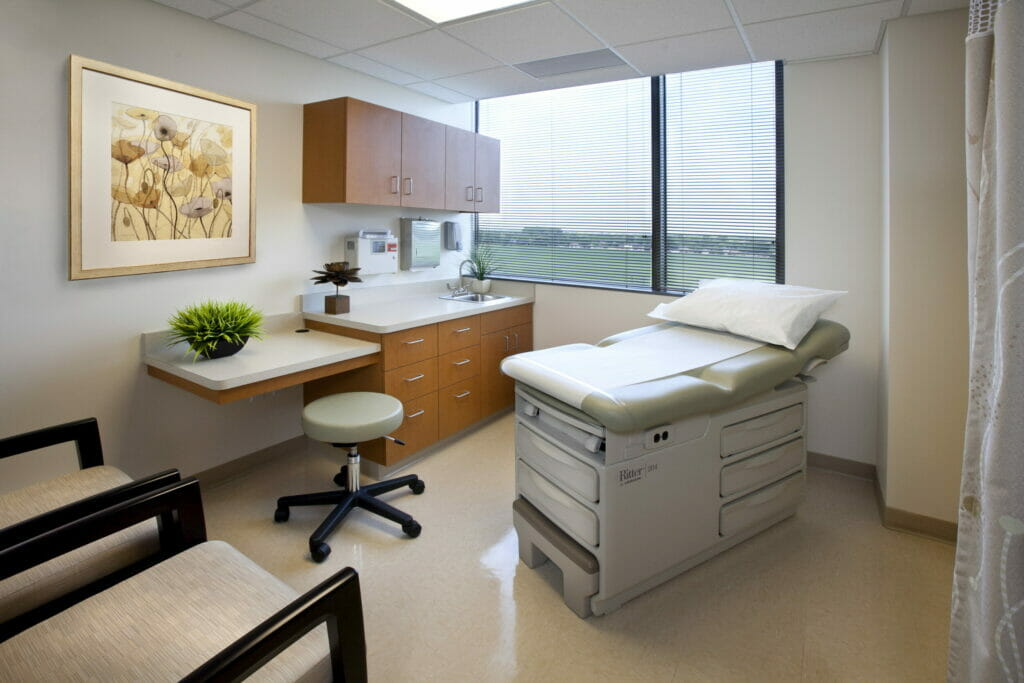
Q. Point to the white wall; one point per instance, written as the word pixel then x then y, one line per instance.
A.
pixel 832 240
pixel 71 349
pixel 925 381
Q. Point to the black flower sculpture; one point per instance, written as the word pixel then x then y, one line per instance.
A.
pixel 337 273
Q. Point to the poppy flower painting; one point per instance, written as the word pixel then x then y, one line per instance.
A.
pixel 161 174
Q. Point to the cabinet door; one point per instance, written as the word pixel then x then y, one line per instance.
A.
pixel 487 191
pixel 496 390
pixel 459 169
pixel 520 338
pixel 423 149
pixel 373 160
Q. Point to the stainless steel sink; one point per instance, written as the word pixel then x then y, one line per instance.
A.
pixel 473 298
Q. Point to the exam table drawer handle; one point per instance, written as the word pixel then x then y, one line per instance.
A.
pixel 416 414
pixel 461 362
pixel 415 341
pixel 416 378
pixel 464 394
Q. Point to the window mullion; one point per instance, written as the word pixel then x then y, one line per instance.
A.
pixel 659 232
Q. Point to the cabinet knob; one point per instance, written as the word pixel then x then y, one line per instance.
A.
pixel 515 341
pixel 479 194
pixel 506 343
pixel 469 193
pixel 408 185
pixel 394 184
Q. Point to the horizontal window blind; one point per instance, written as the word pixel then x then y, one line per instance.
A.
pixel 575 184
pixel 720 175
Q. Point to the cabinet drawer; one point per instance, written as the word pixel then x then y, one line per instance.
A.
pixel 412 380
pixel 507 317
pixel 458 333
pixel 409 346
pixel 458 406
pixel 418 430
pixel 569 514
pixel 758 431
pixel 760 505
pixel 458 365
pixel 568 470
pixel 762 468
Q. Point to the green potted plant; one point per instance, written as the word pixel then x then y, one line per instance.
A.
pixel 215 329
pixel 481 264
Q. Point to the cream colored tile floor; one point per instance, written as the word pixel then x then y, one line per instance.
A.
pixel 829 595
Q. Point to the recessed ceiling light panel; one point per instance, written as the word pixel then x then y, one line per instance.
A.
pixel 440 11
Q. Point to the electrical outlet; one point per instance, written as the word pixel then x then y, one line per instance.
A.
pixel 658 437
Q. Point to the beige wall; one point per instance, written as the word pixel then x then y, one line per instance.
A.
pixel 832 240
pixel 71 349
pixel 925 372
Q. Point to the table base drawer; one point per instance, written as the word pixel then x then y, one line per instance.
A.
pixel 761 505
pixel 760 469
pixel 568 513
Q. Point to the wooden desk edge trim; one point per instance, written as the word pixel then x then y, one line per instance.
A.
pixel 223 396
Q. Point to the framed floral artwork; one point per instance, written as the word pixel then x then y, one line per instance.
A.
pixel 161 174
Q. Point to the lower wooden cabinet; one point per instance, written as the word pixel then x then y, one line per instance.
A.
pixel 446 375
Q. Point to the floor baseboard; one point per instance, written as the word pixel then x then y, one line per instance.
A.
pixel 852 468
pixel 239 466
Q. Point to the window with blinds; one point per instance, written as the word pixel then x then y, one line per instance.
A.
pixel 575 184
pixel 585 200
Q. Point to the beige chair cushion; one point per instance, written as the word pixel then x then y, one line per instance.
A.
pixel 164 623
pixel 61 575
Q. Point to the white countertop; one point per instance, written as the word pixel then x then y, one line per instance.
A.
pixel 395 314
pixel 282 351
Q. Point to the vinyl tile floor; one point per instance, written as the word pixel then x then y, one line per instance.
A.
pixel 828 595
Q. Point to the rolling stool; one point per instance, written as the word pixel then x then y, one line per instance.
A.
pixel 344 420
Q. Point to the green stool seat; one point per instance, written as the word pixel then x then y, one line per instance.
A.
pixel 352 417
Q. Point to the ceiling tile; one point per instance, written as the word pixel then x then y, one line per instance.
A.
pixel 201 8
pixel 440 92
pixel 925 6
pixel 825 34
pixel 620 22
pixel 368 66
pixel 278 34
pixel 687 53
pixel 526 34
pixel 752 11
pixel 430 55
pixel 612 73
pixel 492 82
pixel 351 24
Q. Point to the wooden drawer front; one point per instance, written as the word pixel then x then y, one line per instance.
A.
pixel 418 430
pixel 758 470
pixel 410 346
pixel 412 380
pixel 761 430
pixel 458 406
pixel 458 333
pixel 508 317
pixel 458 365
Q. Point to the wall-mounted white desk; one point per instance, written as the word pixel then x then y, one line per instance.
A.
pixel 283 358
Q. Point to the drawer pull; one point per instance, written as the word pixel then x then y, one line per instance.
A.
pixel 515 344
pixel 464 329
pixel 769 460
pixel 416 378
pixel 469 193
pixel 464 394
pixel 766 497
pixel 506 343
pixel 416 414
pixel 415 341
pixel 394 184
pixel 461 362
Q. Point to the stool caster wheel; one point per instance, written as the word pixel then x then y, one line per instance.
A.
pixel 320 552
pixel 281 515
pixel 412 528
pixel 341 478
pixel 417 487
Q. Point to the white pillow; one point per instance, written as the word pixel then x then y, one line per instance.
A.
pixel 776 314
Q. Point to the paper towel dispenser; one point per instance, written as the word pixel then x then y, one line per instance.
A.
pixel 421 243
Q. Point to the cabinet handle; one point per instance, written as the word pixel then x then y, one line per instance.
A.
pixel 415 341
pixel 469 193
pixel 515 341
pixel 416 378
pixel 460 362
pixel 464 394
pixel 416 414
pixel 394 184
pixel 479 194
pixel 408 185
pixel 506 343
pixel 464 329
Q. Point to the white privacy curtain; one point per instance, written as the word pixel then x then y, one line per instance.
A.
pixel 987 627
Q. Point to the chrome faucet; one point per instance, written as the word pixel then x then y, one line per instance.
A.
pixel 459 287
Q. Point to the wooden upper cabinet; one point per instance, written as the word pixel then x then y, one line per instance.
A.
pixel 423 159
pixel 460 169
pixel 351 152
pixel 487 195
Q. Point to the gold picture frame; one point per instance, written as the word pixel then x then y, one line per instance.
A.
pixel 161 174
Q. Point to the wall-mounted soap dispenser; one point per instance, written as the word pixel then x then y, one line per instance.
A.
pixel 452 236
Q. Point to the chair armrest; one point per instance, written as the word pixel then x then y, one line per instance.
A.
pixel 335 601
pixel 22 531
pixel 178 507
pixel 85 433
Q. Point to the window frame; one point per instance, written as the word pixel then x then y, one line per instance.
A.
pixel 659 193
